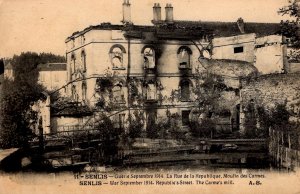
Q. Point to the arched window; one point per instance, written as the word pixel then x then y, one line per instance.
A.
pixel 118 93
pixel 149 57
pixel 184 57
pixel 185 90
pixel 116 55
pixel 83 60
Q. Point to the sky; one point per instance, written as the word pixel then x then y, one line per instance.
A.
pixel 43 25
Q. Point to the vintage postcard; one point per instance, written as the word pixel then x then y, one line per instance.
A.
pixel 154 96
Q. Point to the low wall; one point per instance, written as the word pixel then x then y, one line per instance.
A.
pixel 269 90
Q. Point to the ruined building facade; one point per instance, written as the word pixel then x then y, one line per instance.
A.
pixel 152 69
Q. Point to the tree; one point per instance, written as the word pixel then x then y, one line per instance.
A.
pixel 208 89
pixel 280 116
pixel 110 137
pixel 18 96
pixel 290 28
pixel 136 124
pixel 51 58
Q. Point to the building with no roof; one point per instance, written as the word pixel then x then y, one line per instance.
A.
pixel 128 68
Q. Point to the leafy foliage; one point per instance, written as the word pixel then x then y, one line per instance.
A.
pixel 258 120
pixel 51 58
pixel 264 121
pixel 172 128
pixel 290 28
pixel 110 137
pixel 19 95
pixel 136 124
pixel 208 88
pixel 205 128
pixel 104 89
pixel 292 9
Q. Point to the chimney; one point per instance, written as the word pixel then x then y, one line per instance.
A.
pixel 126 12
pixel 241 25
pixel 156 12
pixel 169 13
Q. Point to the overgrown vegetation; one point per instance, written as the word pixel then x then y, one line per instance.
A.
pixel 205 92
pixel 289 28
pixel 18 96
pixel 208 93
pixel 206 128
pixel 110 137
pixel 136 124
pixel 258 120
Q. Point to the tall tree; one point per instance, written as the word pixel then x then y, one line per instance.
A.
pixel 18 97
pixel 290 28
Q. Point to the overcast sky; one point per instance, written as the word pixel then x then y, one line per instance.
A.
pixel 43 25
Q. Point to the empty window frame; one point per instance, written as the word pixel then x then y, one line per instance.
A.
pixel 185 90
pixel 118 94
pixel 185 117
pixel 184 57
pixel 73 63
pixel 151 116
pixel 84 91
pixel 151 92
pixel 116 55
pixel 239 49
pixel 83 60
pixel 149 58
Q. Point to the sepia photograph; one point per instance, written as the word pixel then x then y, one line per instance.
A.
pixel 153 96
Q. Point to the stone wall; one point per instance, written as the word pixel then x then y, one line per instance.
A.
pixel 272 89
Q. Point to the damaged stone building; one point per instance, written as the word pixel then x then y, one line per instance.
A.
pixel 125 68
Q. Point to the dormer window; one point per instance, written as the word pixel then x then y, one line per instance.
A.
pixel 149 58
pixel 184 58
pixel 116 55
